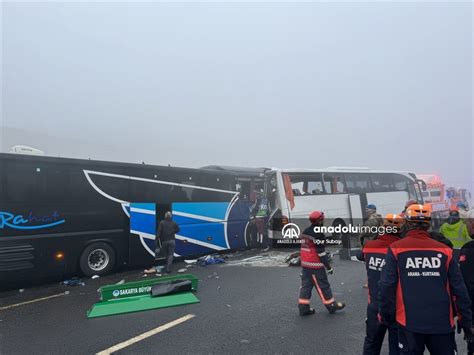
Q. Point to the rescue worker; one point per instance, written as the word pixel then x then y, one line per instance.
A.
pixel 467 216
pixel 373 221
pixel 456 231
pixel 373 253
pixel 370 227
pixel 408 204
pixel 258 215
pixel 402 214
pixel 314 262
pixel 466 264
pixel 416 290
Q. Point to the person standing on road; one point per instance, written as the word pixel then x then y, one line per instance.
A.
pixel 370 228
pixel 314 263
pixel 404 230
pixel 417 287
pixel 373 253
pixel 466 264
pixel 456 231
pixel 374 220
pixel 408 204
pixel 166 235
pixel 467 215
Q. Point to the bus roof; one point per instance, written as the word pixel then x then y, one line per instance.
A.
pixel 344 170
pixel 240 170
pixel 105 163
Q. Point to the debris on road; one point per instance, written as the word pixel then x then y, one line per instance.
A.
pixel 191 261
pixel 73 282
pixel 95 277
pixel 121 282
pixel 271 259
pixel 145 295
pixel 294 259
pixel 21 290
pixel 209 260
pixel 180 271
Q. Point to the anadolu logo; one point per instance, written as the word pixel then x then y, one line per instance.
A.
pixel 31 221
pixel 290 231
pixel 116 293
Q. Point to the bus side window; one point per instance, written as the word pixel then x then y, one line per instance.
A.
pixel 80 190
pixel 314 184
pixel 382 182
pixel 334 183
pixel 57 183
pixel 402 183
pixel 358 183
pixel 24 182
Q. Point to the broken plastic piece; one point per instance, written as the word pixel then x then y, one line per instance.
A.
pixel 171 287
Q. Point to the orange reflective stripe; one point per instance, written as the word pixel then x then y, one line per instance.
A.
pixel 325 301
pixel 329 301
pixel 303 301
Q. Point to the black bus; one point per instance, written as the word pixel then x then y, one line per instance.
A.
pixel 61 216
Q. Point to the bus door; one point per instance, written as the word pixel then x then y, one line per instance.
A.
pixel 279 196
pixel 360 184
pixel 209 227
pixel 357 214
pixel 143 218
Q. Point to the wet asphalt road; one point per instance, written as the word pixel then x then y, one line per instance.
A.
pixel 245 309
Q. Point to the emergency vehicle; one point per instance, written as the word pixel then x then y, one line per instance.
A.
pixel 435 196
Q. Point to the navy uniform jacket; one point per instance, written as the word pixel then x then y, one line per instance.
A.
pixel 418 283
pixel 373 253
pixel 466 263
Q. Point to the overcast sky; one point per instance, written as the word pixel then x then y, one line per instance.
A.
pixel 382 85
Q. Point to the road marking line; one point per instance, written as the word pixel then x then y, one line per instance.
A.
pixel 145 335
pixel 31 301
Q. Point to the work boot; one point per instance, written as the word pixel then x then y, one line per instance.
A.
pixel 306 310
pixel 335 306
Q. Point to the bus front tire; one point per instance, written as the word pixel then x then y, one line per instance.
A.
pixel 97 259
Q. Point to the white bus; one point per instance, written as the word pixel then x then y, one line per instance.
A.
pixel 341 193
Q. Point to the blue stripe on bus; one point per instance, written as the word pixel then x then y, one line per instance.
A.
pixel 211 233
pixel 215 210
pixel 144 206
pixel 188 248
pixel 143 222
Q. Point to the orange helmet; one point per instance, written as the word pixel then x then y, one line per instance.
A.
pixel 410 202
pixel 418 213
pixel 393 219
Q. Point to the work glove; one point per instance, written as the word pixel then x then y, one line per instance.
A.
pixel 468 334
pixel 330 271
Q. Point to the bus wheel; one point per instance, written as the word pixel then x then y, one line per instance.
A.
pixel 97 259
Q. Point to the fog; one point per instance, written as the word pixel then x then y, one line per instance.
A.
pixel 382 85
